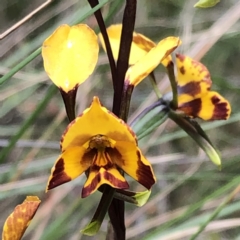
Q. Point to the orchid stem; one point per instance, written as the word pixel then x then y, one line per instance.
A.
pixel 69 100
pixel 154 85
pixel 126 99
pixel 171 75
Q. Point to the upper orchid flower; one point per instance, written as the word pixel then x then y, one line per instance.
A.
pixel 193 79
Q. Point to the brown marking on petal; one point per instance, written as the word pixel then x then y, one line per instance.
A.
pixel 86 191
pixel 182 70
pixel 191 108
pixel 143 42
pixel 144 173
pixel 192 88
pixel 116 157
pixel 220 109
pixel 89 156
pixel 180 57
pixel 58 176
pixel 113 180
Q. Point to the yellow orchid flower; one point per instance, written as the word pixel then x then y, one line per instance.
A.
pixel 145 55
pixel 70 55
pixel 140 44
pixel 100 144
pixel 194 96
pixel 18 221
pixel 193 79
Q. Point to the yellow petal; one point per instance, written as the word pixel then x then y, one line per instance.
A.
pixel 70 55
pixel 194 96
pixel 17 223
pixel 193 77
pixel 96 120
pixel 96 178
pixel 151 60
pixel 211 106
pixel 131 160
pixel 68 166
pixel 140 44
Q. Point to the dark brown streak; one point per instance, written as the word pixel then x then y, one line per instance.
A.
pixel 116 210
pixel 103 30
pixel 124 51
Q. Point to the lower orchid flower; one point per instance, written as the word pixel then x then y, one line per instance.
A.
pixel 102 145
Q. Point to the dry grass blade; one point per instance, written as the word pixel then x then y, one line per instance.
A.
pixel 19 23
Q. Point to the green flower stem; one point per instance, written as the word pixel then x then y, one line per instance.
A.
pixel 171 75
pixel 103 206
pixel 41 106
pixel 216 212
pixel 154 85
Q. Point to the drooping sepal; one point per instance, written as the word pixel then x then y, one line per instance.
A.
pixel 195 98
pixel 18 221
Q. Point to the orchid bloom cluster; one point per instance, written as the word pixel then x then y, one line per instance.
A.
pixel 101 144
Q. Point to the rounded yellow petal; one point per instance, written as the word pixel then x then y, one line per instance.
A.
pixel 17 223
pixel 151 60
pixel 70 55
pixel 96 120
pixel 140 44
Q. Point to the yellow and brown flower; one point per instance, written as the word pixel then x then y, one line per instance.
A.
pixel 100 144
pixel 145 55
pixel 195 98
pixel 193 79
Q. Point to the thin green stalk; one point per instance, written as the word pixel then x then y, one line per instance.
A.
pixel 19 66
pixel 154 85
pixel 216 212
pixel 171 75
pixel 41 106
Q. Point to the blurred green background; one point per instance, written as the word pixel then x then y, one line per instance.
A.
pixel 32 120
